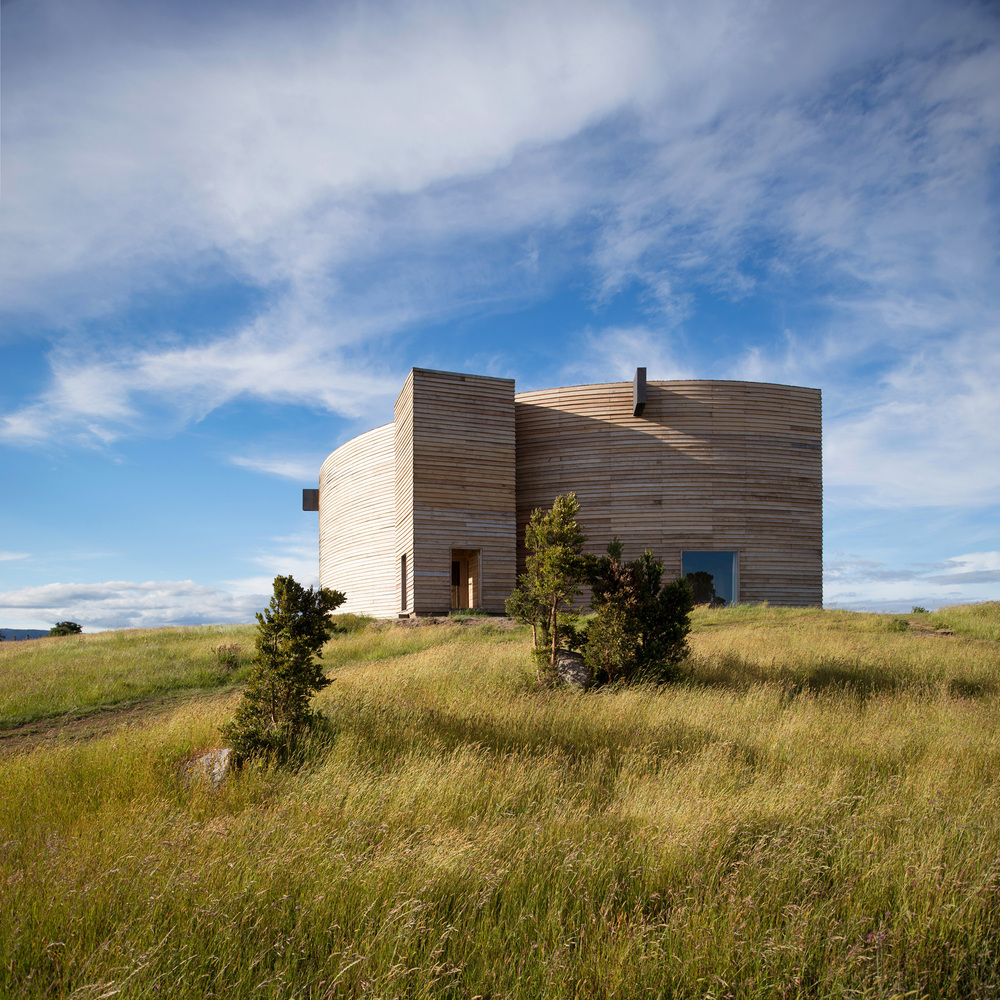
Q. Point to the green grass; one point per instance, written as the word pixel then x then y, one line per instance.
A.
pixel 77 674
pixel 811 812
pixel 981 621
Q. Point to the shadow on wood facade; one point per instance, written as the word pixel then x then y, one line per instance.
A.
pixel 427 514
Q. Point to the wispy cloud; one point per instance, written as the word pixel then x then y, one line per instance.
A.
pixel 132 604
pixel 7 556
pixel 281 358
pixel 613 354
pixel 930 434
pixel 298 468
pixel 287 555
pixel 300 154
pixel 271 143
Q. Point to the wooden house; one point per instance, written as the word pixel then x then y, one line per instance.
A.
pixel 427 514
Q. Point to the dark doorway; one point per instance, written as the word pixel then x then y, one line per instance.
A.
pixel 465 579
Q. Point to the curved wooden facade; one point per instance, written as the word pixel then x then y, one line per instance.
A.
pixel 428 513
pixel 709 466
pixel 357 523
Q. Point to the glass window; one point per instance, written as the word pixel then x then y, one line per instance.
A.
pixel 713 575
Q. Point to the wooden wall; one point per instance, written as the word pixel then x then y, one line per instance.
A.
pixel 708 466
pixel 403 495
pixel 455 465
pixel 357 523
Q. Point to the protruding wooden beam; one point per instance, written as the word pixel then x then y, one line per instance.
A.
pixel 639 392
pixel 310 499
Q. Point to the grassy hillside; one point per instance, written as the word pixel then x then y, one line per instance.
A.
pixel 811 813
pixel 76 675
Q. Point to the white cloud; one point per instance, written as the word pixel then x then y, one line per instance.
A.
pixel 273 142
pixel 127 604
pixel 288 555
pixel 279 358
pixel 972 568
pixel 135 604
pixel 132 604
pixel 930 434
pixel 269 142
pixel 6 556
pixel 850 580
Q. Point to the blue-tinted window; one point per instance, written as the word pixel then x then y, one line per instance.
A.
pixel 720 566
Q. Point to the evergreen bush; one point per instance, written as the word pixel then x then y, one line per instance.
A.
pixel 555 567
pixel 641 626
pixel 274 712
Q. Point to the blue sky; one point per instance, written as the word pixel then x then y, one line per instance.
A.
pixel 229 230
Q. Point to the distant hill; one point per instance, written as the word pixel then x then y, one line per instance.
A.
pixel 22 633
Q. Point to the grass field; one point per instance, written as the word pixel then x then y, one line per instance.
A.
pixel 78 674
pixel 811 812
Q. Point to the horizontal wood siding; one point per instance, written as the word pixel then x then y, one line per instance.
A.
pixel 463 497
pixel 357 522
pixel 709 465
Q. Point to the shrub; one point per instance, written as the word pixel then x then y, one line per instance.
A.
pixel 274 712
pixel 641 626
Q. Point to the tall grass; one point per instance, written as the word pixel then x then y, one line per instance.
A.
pixel 810 813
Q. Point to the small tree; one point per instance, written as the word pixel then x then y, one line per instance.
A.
pixel 274 710
pixel 641 625
pixel 65 628
pixel 554 569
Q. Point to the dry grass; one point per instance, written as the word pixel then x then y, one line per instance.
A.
pixel 811 813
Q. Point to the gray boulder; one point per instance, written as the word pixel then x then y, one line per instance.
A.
pixel 572 671
pixel 210 768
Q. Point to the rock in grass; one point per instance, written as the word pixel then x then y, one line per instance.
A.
pixel 210 768
pixel 572 670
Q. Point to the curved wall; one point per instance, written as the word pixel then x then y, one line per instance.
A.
pixel 709 466
pixel 357 523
